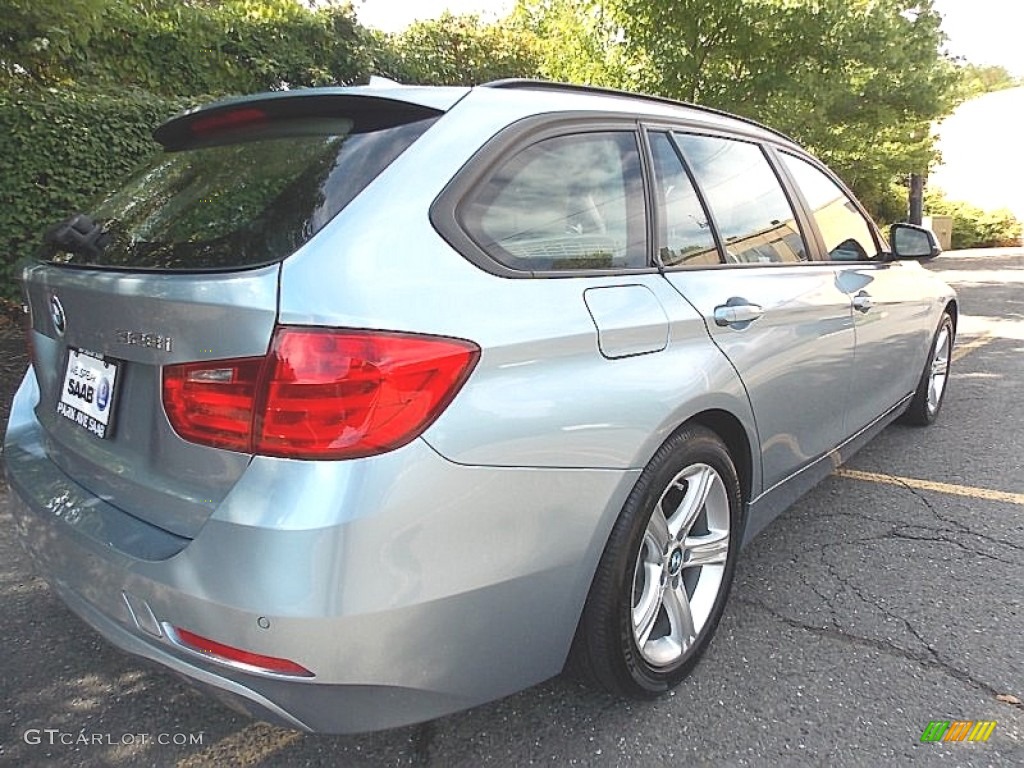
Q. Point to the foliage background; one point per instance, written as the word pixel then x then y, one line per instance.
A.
pixel 974 227
pixel 82 82
pixel 58 149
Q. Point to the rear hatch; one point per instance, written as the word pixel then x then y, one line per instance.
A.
pixel 182 265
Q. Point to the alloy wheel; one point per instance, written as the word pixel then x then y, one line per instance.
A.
pixel 680 567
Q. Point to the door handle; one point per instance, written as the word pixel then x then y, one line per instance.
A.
pixel 862 302
pixel 737 314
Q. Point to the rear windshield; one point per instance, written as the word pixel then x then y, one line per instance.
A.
pixel 237 205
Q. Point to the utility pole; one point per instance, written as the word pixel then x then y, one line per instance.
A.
pixel 916 198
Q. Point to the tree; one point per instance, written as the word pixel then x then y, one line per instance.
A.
pixel 578 41
pixel 858 81
pixel 977 80
pixel 460 50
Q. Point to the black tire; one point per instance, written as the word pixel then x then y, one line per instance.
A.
pixel 924 410
pixel 606 650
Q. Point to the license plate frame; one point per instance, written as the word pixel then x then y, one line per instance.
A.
pixel 89 391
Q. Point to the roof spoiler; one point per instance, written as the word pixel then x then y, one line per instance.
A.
pixel 367 108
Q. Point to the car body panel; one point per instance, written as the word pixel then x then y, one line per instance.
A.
pixel 545 375
pixel 795 360
pixel 143 467
pixel 893 333
pixel 779 497
pixel 262 556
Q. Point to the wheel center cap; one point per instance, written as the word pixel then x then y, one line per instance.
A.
pixel 675 561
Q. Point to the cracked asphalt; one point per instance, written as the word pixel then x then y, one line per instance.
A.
pixel 869 609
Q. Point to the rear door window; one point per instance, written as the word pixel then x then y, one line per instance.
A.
pixel 242 201
pixel 684 236
pixel 754 217
pixel 570 202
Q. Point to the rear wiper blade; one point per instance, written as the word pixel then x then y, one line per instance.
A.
pixel 78 234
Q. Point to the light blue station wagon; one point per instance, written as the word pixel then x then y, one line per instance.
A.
pixel 365 405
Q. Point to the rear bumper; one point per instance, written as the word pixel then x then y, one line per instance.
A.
pixel 410 586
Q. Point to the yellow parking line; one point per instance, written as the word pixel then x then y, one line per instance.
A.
pixel 930 485
pixel 249 746
pixel 963 350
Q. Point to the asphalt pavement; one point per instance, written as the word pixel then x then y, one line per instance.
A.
pixel 890 596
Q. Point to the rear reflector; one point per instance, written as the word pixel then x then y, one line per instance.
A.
pixel 27 326
pixel 226 653
pixel 319 393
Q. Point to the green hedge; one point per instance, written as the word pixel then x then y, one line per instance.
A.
pixel 974 227
pixel 177 48
pixel 58 149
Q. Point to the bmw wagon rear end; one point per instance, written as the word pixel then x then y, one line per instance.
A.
pixel 365 405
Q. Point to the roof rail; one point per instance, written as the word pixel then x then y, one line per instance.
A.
pixel 551 85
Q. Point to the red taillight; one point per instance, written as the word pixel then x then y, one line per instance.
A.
pixel 319 393
pixel 229 654
pixel 226 121
pixel 212 403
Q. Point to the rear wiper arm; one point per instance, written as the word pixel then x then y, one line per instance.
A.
pixel 78 234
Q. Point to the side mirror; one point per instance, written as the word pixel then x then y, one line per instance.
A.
pixel 910 241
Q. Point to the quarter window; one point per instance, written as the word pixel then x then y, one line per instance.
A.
pixel 565 203
pixel 753 214
pixel 846 232
pixel 685 233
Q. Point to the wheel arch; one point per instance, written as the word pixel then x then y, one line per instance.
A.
pixel 731 432
pixel 954 312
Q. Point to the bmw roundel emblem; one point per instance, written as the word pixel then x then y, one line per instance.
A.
pixel 57 315
pixel 103 394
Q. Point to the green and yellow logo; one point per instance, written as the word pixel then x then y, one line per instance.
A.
pixel 958 730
